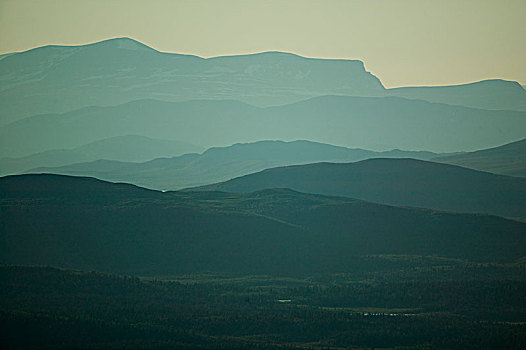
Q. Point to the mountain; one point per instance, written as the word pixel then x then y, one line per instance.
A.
pixel 400 182
pixel 366 122
pixel 88 224
pixel 131 148
pixel 221 163
pixel 56 79
pixel 509 159
pixel 493 94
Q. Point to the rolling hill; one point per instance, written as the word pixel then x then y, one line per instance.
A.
pixel 366 122
pixel 88 224
pixel 400 182
pixel 487 94
pixel 220 163
pixel 509 159
pixel 130 148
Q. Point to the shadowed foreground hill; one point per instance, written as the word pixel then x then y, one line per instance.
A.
pixel 509 159
pixel 400 182
pixel 89 224
pixel 220 163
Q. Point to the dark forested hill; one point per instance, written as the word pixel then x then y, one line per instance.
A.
pixel 401 182
pixel 90 224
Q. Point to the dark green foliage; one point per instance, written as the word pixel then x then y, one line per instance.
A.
pixel 50 308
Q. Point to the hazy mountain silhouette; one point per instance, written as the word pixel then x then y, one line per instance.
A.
pixel 93 225
pixel 221 163
pixel 348 121
pixel 509 159
pixel 131 148
pixel 400 182
pixel 487 94
pixel 56 79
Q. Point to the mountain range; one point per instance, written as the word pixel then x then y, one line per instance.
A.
pixel 220 163
pixel 88 224
pixel 130 148
pixel 400 182
pixel 57 79
pixel 377 123
pixel 509 159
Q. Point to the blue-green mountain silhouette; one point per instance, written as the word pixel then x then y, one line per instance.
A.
pixel 400 182
pixel 132 148
pixel 89 224
pixel 487 94
pixel 509 159
pixel 220 163
pixel 366 122
pixel 55 79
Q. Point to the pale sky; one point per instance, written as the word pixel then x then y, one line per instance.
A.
pixel 402 42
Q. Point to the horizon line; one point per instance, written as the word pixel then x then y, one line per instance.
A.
pixel 258 53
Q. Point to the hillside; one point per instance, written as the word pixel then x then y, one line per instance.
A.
pixel 364 122
pixel 220 163
pixel 509 159
pixel 130 148
pixel 89 224
pixel 493 94
pixel 400 182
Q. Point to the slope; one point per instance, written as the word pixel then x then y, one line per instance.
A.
pixel 487 94
pixel 509 159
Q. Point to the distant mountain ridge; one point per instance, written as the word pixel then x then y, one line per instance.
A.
pixel 89 224
pixel 343 120
pixel 509 159
pixel 492 94
pixel 221 163
pixel 131 148
pixel 399 182
pixel 57 79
